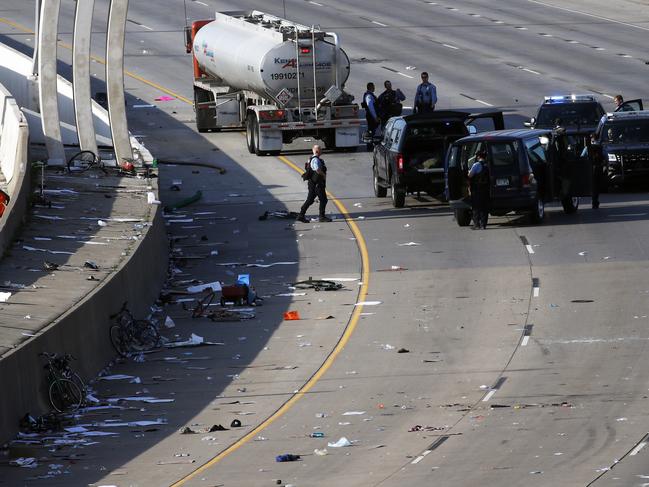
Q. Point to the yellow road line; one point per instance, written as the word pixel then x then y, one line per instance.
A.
pixel 342 342
pixel 137 77
pixel 344 339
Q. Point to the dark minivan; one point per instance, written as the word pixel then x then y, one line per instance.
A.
pixel 410 156
pixel 527 169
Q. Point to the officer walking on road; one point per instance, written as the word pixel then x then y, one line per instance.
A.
pixel 426 96
pixel 479 185
pixel 316 176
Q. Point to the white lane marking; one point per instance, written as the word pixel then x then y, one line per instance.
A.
pixel 379 23
pixel 145 27
pixel 317 4
pixel 405 75
pixel 450 46
pixel 637 449
pixel 612 98
pixel 417 460
pixel 521 28
pixel 531 71
pixel 489 395
pixel 529 249
pixel 484 102
pixel 526 339
pixel 589 15
pixel 537 291
pixel 201 3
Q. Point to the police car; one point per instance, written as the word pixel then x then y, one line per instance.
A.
pixel 578 114
pixel 621 146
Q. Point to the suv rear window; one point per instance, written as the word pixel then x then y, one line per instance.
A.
pixel 504 154
pixel 626 132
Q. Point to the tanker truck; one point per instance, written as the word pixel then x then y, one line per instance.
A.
pixel 274 78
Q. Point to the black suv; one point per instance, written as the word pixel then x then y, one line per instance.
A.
pixel 621 146
pixel 410 156
pixel 527 169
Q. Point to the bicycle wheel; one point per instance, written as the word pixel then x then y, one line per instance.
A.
pixel 145 336
pixel 82 161
pixel 65 395
pixel 119 340
pixel 203 304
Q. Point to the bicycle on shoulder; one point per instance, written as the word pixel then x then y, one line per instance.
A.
pixel 129 335
pixel 66 390
pixel 84 160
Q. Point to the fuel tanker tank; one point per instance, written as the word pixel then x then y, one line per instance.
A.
pixel 273 57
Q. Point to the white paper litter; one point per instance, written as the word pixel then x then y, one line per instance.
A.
pixel 102 223
pixel 215 286
pixel 409 244
pixel 4 297
pixel 342 442
pixel 28 462
pixel 368 303
pixel 290 294
pixel 193 340
pixel 151 199
pixel 353 413
pixel 117 377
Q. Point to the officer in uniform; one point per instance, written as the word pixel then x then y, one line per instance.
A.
pixel 371 113
pixel 479 185
pixel 426 95
pixel 317 180
pixel 389 103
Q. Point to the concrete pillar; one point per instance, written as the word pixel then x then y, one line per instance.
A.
pixel 48 95
pixel 115 80
pixel 81 75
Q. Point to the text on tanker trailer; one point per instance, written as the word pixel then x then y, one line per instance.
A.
pixel 277 79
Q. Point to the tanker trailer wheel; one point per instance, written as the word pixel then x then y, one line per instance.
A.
pixel 256 137
pixel 251 122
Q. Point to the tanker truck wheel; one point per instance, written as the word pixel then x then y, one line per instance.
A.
pixel 251 122
pixel 255 137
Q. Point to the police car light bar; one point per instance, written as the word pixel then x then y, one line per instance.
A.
pixel 566 98
pixel 626 115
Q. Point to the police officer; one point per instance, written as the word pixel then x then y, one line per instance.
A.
pixel 389 103
pixel 426 95
pixel 317 186
pixel 371 112
pixel 479 184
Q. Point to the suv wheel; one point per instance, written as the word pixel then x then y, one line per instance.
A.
pixel 570 204
pixel 398 195
pixel 463 217
pixel 538 212
pixel 379 191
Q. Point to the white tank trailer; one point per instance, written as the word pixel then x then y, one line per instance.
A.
pixel 277 79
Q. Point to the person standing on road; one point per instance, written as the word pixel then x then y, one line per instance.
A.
pixel 389 103
pixel 479 185
pixel 317 179
pixel 619 104
pixel 426 96
pixel 371 111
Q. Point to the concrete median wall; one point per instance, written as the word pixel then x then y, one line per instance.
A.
pixel 83 329
pixel 14 164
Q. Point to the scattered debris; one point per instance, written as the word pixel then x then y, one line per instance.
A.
pixel 287 457
pixel 285 215
pixel 403 350
pixel 318 285
pixel 341 443
pixel 291 316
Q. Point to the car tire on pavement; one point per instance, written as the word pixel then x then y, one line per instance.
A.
pixel 379 191
pixel 463 217
pixel 398 195
pixel 538 211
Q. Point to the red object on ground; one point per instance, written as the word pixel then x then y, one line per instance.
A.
pixel 292 315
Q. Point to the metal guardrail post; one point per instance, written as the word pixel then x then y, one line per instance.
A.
pixel 115 80
pixel 47 81
pixel 81 75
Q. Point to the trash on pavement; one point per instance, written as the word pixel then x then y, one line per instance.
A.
pixel 287 457
pixel 235 423
pixel 215 286
pixel 285 215
pixel 409 244
pixel 321 453
pixel 403 350
pixel 193 341
pixel 342 442
pixel 368 303
pixel 291 316
pixel 28 462
pixel 353 413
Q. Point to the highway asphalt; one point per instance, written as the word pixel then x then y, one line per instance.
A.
pixel 526 344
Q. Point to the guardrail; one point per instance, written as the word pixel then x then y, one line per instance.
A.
pixel 14 144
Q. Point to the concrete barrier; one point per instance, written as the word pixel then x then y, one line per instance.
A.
pixel 14 145
pixel 82 330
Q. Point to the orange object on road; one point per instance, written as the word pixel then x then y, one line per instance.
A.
pixel 292 315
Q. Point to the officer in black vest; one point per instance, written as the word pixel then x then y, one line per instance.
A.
pixel 480 186
pixel 317 179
